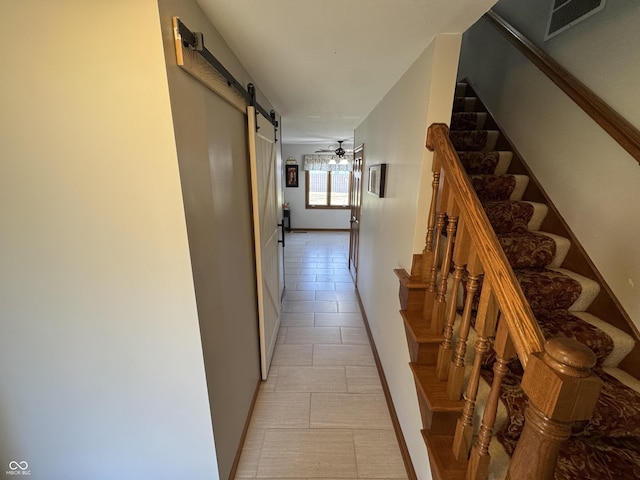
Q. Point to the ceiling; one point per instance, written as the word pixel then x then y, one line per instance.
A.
pixel 324 64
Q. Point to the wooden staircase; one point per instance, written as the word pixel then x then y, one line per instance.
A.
pixel 465 313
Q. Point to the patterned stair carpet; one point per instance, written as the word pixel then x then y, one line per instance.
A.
pixel 607 446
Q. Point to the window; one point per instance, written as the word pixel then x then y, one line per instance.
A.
pixel 328 189
pixel 327 180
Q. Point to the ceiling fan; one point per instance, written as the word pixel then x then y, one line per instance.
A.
pixel 339 152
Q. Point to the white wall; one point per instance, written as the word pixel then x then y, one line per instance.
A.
pixel 102 373
pixel 591 179
pixel 395 133
pixel 302 217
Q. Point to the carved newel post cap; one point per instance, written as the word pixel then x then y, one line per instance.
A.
pixel 569 356
pixel 561 390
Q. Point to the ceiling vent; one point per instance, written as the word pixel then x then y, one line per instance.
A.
pixel 567 13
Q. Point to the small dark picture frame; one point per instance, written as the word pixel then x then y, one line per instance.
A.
pixel 377 176
pixel 291 175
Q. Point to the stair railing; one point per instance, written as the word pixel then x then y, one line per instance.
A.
pixel 558 381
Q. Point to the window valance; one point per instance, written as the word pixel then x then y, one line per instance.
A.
pixel 328 162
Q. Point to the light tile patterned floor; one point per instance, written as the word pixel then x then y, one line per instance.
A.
pixel 322 412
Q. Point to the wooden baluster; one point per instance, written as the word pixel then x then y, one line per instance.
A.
pixel 430 294
pixel 439 309
pixel 460 254
pixel 478 468
pixel 427 253
pixel 561 390
pixel 485 328
pixel 444 350
pixel 456 374
pixel 427 260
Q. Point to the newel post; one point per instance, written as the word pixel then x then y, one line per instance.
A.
pixel 561 390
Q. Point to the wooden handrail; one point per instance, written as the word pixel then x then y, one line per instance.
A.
pixel 526 334
pixel 611 121
pixel 557 373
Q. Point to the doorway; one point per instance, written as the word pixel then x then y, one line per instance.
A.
pixel 355 202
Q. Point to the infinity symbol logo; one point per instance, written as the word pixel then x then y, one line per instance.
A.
pixel 13 465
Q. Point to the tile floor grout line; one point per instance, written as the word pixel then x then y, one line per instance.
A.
pixel 347 328
pixel 355 452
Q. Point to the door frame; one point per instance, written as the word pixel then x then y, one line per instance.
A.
pixel 355 202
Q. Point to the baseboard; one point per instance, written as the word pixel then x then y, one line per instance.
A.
pixel 236 460
pixel 408 464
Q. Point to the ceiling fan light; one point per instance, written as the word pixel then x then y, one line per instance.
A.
pixel 332 161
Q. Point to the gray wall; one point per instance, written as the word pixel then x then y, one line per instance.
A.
pixel 211 139
pixel 102 374
pixel 601 51
pixel 589 177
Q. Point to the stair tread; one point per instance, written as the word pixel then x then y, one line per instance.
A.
pixel 433 390
pixel 623 343
pixel 508 216
pixel 537 287
pixel 590 289
pixel 563 245
pixel 461 89
pixel 547 289
pixel 499 187
pixel 540 211
pixel 418 328
pixel 515 215
pixel 443 464
pixel 624 378
pixel 526 249
pixel 474 140
pixel 464 104
pixel 563 323
pixel 493 162
pixel 468 120
pixel 409 281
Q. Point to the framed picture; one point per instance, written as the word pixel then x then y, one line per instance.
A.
pixel 377 174
pixel 291 172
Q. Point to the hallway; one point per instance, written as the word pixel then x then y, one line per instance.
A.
pixel 322 412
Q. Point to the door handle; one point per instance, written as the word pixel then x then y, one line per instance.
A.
pixel 281 225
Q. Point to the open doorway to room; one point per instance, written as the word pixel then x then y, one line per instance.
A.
pixel 355 202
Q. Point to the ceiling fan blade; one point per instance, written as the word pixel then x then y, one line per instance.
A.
pixel 335 150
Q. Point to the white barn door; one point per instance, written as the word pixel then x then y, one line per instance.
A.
pixel 262 156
